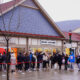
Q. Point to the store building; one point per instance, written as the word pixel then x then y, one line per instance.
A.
pixel 36 29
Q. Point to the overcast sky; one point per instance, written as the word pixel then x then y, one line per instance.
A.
pixel 3 1
pixel 61 10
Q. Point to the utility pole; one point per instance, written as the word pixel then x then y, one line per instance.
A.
pixel 7 41
pixel 70 40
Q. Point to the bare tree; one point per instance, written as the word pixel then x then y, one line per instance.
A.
pixel 7 36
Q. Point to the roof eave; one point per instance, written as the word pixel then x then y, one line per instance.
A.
pixel 7 33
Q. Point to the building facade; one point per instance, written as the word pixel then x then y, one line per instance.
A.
pixel 37 31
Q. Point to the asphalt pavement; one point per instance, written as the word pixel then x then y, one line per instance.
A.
pixel 50 74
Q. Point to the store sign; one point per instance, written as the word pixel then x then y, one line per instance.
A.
pixel 2 40
pixel 74 44
pixel 68 45
pixel 50 42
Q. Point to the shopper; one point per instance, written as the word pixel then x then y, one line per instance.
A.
pixel 45 59
pixel 66 62
pixel 26 61
pixel 53 60
pixel 0 62
pixel 19 61
pixel 59 59
pixel 13 62
pixel 4 58
pixel 78 61
pixel 71 59
pixel 39 60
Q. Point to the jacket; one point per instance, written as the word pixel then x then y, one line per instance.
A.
pixel 71 58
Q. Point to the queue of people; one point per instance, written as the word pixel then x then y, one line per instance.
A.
pixel 38 61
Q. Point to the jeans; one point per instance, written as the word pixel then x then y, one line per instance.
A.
pixel 78 65
pixel 71 65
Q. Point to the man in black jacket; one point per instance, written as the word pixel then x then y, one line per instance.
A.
pixel 4 58
pixel 20 60
pixel 66 61
pixel 78 61
pixel 0 62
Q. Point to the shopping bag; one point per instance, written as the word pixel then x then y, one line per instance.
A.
pixel 63 61
pixel 55 66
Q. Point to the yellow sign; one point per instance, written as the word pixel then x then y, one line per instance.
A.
pixel 67 51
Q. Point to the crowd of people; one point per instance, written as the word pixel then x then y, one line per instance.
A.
pixel 38 61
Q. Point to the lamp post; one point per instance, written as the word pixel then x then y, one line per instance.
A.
pixel 70 40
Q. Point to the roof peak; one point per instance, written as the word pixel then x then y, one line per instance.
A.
pixel 4 8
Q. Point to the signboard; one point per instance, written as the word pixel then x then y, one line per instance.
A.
pixel 2 40
pixel 50 42
pixel 68 45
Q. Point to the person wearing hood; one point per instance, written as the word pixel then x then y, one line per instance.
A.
pixel 19 61
pixel 78 61
pixel 71 59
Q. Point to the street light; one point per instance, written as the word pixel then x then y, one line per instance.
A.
pixel 70 40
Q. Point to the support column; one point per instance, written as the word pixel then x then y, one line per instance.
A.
pixel 27 46
pixel 62 46
pixel 77 49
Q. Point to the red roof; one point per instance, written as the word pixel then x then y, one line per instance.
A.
pixel 74 37
pixel 8 5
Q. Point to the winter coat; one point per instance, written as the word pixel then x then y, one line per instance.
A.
pixel 66 60
pixel 1 59
pixel 78 59
pixel 13 62
pixel 26 59
pixel 39 57
pixel 4 57
pixel 20 58
pixel 31 55
pixel 45 58
pixel 59 58
pixel 71 58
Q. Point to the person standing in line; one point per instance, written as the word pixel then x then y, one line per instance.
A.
pixel 66 61
pixel 33 62
pixel 26 61
pixel 13 62
pixel 19 61
pixel 59 60
pixel 0 62
pixel 53 60
pixel 71 59
pixel 45 59
pixel 78 61
pixel 4 58
pixel 30 56
pixel 39 60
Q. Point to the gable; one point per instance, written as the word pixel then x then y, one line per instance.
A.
pixel 32 21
